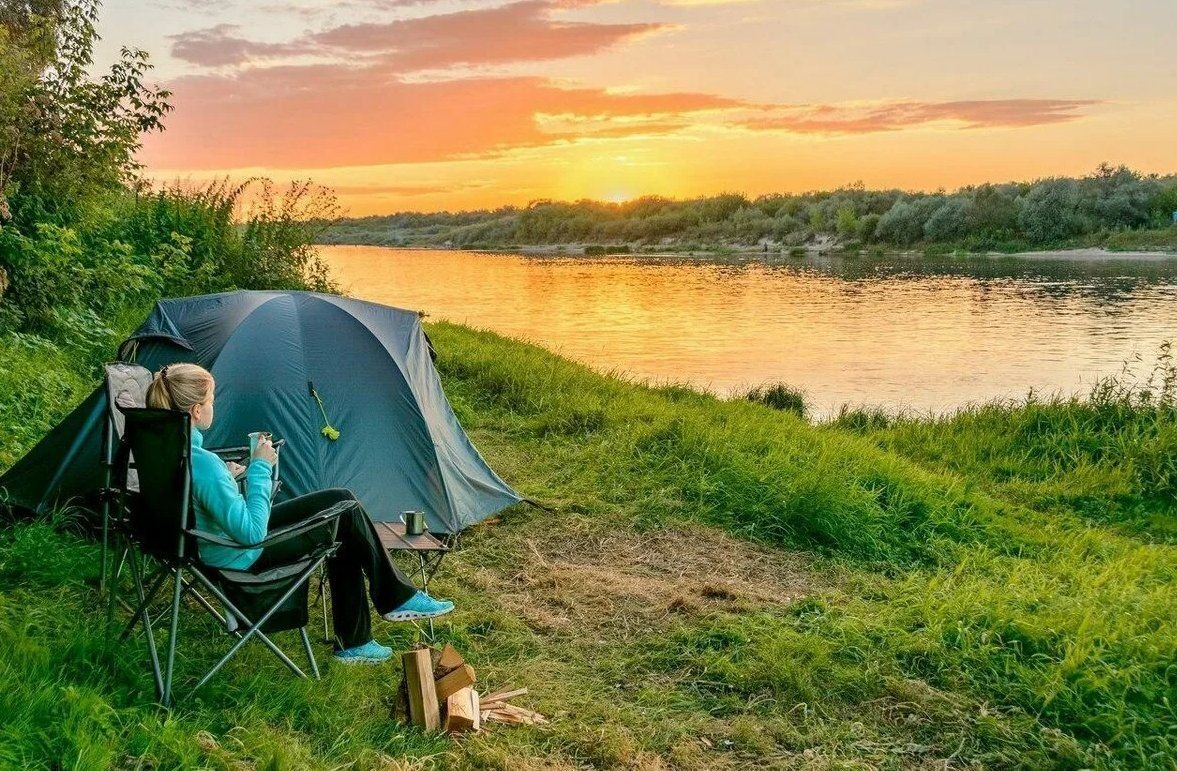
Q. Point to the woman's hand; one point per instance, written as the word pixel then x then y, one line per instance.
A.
pixel 265 450
pixel 236 469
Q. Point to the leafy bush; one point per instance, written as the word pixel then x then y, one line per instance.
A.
pixel 903 224
pixel 1052 211
pixel 950 221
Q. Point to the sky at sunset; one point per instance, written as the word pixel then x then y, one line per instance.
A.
pixel 455 104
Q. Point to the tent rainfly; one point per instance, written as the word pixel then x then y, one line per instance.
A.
pixel 295 364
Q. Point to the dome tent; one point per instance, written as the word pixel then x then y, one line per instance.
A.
pixel 399 445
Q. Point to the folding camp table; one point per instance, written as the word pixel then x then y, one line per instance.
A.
pixel 428 550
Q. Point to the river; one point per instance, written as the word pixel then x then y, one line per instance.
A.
pixel 914 333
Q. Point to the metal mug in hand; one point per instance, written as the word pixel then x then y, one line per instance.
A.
pixel 414 522
pixel 253 440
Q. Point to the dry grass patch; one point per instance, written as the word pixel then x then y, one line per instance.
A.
pixel 626 581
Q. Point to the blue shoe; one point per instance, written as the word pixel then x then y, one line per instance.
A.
pixel 420 605
pixel 370 652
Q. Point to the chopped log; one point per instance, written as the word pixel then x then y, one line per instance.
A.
pixel 449 660
pixel 423 708
pixel 462 711
pixel 455 681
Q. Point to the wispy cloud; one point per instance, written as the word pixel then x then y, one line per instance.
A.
pixel 419 89
pixel 198 5
pixel 517 32
pixel 851 119
pixel 523 31
pixel 706 2
pixel 331 114
pixel 319 116
pixel 220 46
pixel 393 190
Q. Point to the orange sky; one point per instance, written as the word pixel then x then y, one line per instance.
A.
pixel 450 104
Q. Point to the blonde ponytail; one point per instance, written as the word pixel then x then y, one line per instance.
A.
pixel 180 387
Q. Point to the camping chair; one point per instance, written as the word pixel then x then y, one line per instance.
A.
pixel 126 387
pixel 160 524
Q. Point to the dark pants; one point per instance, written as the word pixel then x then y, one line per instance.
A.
pixel 359 555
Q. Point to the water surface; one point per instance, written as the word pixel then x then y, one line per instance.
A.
pixel 915 333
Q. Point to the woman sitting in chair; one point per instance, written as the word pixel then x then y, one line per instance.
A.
pixel 221 509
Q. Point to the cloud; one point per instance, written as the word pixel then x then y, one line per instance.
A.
pixel 317 116
pixel 522 31
pixel 395 190
pixel 517 32
pixel 705 2
pixel 335 115
pixel 198 5
pixel 993 113
pixel 218 47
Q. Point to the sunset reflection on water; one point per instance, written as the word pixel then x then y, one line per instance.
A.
pixel 921 334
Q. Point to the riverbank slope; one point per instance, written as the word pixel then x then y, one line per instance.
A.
pixel 718 585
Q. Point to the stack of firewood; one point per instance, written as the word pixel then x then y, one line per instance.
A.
pixel 437 693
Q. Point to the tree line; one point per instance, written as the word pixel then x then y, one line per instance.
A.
pixel 1114 206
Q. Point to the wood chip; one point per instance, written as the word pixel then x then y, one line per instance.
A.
pixel 503 695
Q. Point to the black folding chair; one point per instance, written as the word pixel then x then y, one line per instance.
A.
pixel 126 388
pixel 159 523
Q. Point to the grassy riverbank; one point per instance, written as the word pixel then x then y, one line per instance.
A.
pixel 719 585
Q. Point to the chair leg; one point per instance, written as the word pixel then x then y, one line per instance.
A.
pixel 432 636
pixel 136 571
pixel 254 627
pixel 204 603
pixel 110 586
pixel 261 636
pixel 306 644
pixel 146 598
pixel 105 539
pixel 112 589
pixel 323 601
pixel 175 628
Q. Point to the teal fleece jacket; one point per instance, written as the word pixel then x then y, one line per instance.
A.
pixel 222 510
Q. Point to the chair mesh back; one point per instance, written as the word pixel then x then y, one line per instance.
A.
pixel 126 387
pixel 160 443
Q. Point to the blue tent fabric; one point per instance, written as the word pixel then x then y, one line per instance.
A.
pixel 400 446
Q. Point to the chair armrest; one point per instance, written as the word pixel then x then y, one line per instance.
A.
pixel 237 453
pixel 282 534
pixel 219 540
pixel 310 523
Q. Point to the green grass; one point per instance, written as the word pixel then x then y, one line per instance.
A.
pixel 720 584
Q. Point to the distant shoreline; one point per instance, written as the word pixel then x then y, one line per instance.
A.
pixel 1080 254
pixel 1095 254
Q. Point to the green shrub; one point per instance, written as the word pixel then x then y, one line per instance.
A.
pixel 779 396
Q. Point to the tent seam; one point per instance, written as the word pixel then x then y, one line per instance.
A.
pixel 449 500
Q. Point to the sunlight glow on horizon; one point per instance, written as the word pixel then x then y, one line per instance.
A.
pixel 482 103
